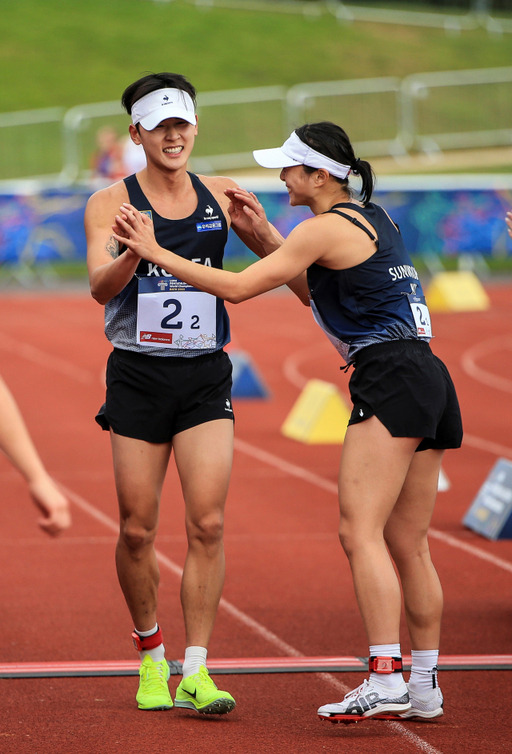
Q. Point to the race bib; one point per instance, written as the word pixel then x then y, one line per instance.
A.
pixel 173 314
pixel 421 315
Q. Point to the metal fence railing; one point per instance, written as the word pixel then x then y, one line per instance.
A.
pixel 426 112
pixel 31 142
pixel 456 109
pixel 367 108
pixel 472 15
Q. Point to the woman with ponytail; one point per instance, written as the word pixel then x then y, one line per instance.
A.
pixel 349 263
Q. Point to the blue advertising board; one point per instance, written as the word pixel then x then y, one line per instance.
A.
pixel 48 226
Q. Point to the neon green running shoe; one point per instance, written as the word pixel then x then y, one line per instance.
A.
pixel 153 693
pixel 198 692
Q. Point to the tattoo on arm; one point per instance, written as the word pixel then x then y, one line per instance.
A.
pixel 112 247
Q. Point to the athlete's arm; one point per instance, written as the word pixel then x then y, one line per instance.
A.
pixel 250 223
pixel 295 255
pixel 109 271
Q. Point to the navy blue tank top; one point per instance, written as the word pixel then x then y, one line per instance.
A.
pixel 378 300
pixel 201 237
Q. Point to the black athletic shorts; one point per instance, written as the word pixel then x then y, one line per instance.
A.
pixel 153 398
pixel 409 390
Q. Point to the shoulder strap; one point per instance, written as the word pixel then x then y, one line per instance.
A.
pixel 353 220
pixel 134 191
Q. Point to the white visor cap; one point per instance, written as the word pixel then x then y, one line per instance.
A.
pixel 295 152
pixel 156 106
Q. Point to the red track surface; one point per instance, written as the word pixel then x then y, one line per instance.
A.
pixel 288 591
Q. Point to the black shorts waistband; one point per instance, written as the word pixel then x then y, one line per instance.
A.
pixel 390 348
pixel 136 357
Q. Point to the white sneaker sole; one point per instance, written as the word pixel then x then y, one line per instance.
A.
pixel 217 707
pixel 425 715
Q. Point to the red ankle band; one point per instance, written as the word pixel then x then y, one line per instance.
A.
pixel 385 664
pixel 145 643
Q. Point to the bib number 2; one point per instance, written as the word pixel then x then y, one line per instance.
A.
pixel 172 314
pixel 421 316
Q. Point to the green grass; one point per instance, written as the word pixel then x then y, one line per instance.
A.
pixel 57 53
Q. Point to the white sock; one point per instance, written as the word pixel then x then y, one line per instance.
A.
pixel 157 653
pixel 389 680
pixel 423 676
pixel 194 658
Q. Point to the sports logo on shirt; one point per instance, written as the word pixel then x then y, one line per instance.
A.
pixel 210 221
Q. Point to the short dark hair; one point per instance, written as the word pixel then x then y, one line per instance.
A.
pixel 151 83
pixel 332 141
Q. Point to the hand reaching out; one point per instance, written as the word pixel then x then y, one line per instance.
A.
pixel 247 215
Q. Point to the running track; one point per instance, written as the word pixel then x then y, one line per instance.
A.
pixel 288 592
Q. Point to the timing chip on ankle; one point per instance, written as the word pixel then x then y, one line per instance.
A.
pixel 145 643
pixel 385 664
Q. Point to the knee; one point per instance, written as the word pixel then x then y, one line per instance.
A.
pixel 206 530
pixel 359 536
pixel 347 537
pixel 405 548
pixel 136 535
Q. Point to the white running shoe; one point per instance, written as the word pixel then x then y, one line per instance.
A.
pixel 367 700
pixel 427 706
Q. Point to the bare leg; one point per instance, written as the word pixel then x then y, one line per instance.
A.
pixel 139 469
pixel 406 535
pixel 203 457
pixel 373 468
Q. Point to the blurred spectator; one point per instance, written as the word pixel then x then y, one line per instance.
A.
pixel 134 157
pixel 508 220
pixel 107 160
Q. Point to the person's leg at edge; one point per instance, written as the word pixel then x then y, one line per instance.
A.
pixel 406 533
pixel 203 456
pixel 139 469
pixel 373 468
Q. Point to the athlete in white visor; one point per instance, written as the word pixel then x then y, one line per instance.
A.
pixel 161 104
pixel 296 152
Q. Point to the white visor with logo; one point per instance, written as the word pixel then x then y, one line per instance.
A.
pixel 295 152
pixel 156 106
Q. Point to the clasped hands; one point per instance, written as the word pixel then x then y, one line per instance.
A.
pixel 135 229
pixel 247 213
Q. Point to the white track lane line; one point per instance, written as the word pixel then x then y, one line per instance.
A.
pixel 325 484
pixel 170 565
pixel 483 350
pixel 43 359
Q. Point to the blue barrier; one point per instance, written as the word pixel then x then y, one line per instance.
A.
pixel 48 226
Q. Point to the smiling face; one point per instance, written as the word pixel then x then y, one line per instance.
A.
pixel 299 185
pixel 169 144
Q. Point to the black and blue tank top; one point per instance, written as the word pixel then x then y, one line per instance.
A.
pixel 201 237
pixel 379 300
